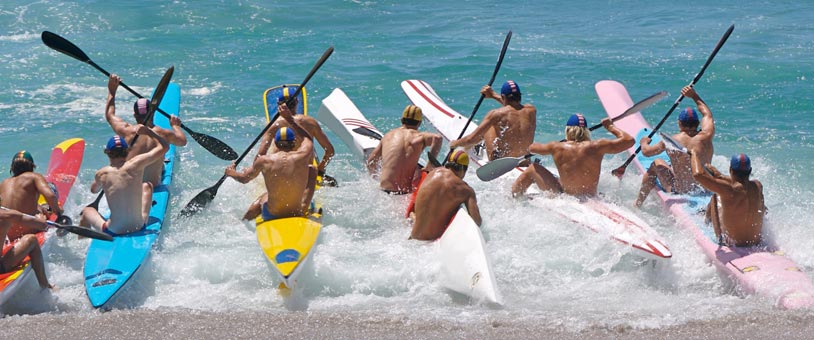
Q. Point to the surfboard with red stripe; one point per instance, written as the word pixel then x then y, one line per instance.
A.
pixel 63 167
pixel 762 270
pixel 342 117
pixel 620 224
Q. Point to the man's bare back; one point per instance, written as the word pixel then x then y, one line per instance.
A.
pixel 21 193
pixel 737 209
pixel 175 136
pixel 128 196
pixel 288 173
pixel 506 131
pixel 399 151
pixel 578 162
pixel 437 201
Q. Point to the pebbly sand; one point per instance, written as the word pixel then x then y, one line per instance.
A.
pixel 190 324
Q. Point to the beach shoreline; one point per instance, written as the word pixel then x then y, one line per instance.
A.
pixel 182 323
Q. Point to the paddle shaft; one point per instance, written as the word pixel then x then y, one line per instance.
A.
pixel 82 231
pixel 621 170
pixel 206 196
pixel 62 45
pixel 491 81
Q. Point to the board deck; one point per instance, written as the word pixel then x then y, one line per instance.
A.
pixel 63 167
pixel 763 270
pixel 619 223
pixel 271 95
pixel 109 266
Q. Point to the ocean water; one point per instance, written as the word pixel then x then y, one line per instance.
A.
pixel 552 273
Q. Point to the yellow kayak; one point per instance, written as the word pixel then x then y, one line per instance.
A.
pixel 288 242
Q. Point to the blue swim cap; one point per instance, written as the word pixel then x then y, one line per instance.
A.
pixel 116 142
pixel 577 119
pixel 688 116
pixel 510 88
pixel 740 163
pixel 284 134
pixel 285 94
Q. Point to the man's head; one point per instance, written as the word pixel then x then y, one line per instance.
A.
pixel 22 162
pixel 287 94
pixel 140 108
pixel 576 129
pixel 511 91
pixel 411 116
pixel 284 139
pixel 458 162
pixel 740 166
pixel 688 119
pixel 116 147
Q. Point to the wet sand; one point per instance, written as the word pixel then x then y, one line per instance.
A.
pixel 188 324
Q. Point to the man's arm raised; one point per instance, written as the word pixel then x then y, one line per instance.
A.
pixel 119 126
pixel 622 142
pixel 154 154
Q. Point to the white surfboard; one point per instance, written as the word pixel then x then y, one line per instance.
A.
pixel 465 266
pixel 340 115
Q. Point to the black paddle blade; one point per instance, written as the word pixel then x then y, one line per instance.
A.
pixel 200 201
pixel 158 94
pixel 214 146
pixel 329 181
pixel 87 232
pixel 62 45
pixel 368 132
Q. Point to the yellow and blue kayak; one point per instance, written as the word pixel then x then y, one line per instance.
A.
pixel 288 242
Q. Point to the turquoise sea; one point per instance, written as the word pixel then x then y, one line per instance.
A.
pixel 553 274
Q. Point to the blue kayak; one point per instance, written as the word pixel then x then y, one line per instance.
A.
pixel 109 266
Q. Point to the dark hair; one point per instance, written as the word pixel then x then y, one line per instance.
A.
pixel 743 174
pixel 689 125
pixel 117 152
pixel 455 166
pixel 285 144
pixel 410 122
pixel 21 165
pixel 514 96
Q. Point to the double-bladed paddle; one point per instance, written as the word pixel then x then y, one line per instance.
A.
pixel 211 144
pixel 500 166
pixel 204 197
pixel 620 171
pixel 158 95
pixel 81 231
pixel 491 80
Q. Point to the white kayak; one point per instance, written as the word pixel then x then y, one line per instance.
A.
pixel 618 223
pixel 466 268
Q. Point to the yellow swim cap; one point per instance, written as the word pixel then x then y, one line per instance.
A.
pixel 412 112
pixel 459 157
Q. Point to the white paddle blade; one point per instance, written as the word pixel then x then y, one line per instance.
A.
pixel 671 143
pixel 498 167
